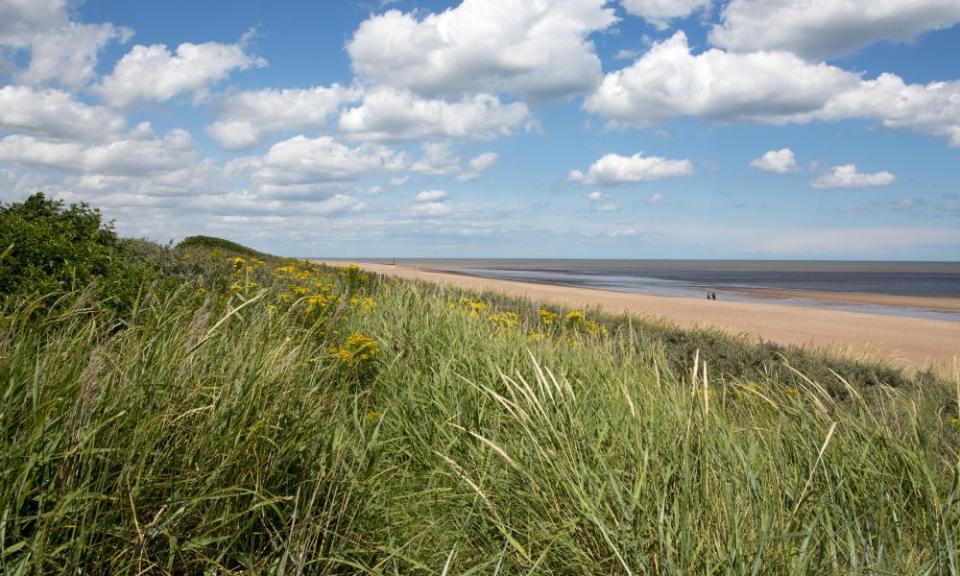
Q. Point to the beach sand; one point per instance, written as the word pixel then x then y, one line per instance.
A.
pixel 908 342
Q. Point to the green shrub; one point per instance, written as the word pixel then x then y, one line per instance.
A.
pixel 48 246
pixel 210 242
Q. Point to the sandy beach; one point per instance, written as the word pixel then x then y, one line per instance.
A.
pixel 909 342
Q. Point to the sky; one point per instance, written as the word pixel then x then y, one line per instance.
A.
pixel 727 129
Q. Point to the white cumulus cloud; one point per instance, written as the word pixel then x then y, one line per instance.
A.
pixel 389 114
pixel 54 113
pixel 430 209
pixel 431 196
pixel 819 29
pixel 661 12
pixel 847 176
pixel 478 165
pixel 777 161
pixel 538 50
pixel 128 156
pixel 614 169
pixel 154 73
pixel 248 117
pixel 670 81
pixel 438 159
pixel 932 108
pixel 23 20
pixel 60 50
pixel 777 88
pixel 301 165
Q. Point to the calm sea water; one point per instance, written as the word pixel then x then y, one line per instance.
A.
pixel 692 278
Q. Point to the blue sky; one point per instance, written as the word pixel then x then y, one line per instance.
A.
pixel 496 128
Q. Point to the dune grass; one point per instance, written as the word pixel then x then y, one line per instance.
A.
pixel 283 418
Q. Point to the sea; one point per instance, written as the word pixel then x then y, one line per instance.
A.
pixel 732 279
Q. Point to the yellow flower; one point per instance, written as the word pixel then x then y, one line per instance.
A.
pixel 505 319
pixel 364 303
pixel 299 290
pixel 373 416
pixel 955 422
pixel 357 348
pixel 547 317
pixel 534 337
pixel 343 354
pixel 595 329
pixel 237 262
pixel 317 301
pixel 792 391
pixel 574 318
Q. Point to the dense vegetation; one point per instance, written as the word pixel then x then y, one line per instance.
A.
pixel 246 414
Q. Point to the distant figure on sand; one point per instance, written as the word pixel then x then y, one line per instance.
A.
pixel 711 295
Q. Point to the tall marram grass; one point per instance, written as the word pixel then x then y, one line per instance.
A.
pixel 202 434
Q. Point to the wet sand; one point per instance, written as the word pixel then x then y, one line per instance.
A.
pixel 909 342
pixel 920 302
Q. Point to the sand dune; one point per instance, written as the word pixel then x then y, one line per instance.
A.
pixel 910 342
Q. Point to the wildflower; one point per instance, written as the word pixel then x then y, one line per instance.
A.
pixel 534 337
pixel 505 319
pixel 237 262
pixel 364 303
pixel 352 275
pixel 373 416
pixel 357 348
pixel 595 329
pixel 299 290
pixel 317 301
pixel 363 345
pixel 343 354
pixel 574 318
pixel 792 391
pixel 547 317
pixel 476 309
pixel 955 422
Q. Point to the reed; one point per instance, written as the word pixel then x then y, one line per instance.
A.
pixel 291 419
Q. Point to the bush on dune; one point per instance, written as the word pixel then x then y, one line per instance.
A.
pixel 247 415
pixel 47 246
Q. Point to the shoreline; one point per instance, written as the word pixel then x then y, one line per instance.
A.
pixel 946 304
pixel 937 303
pixel 903 341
